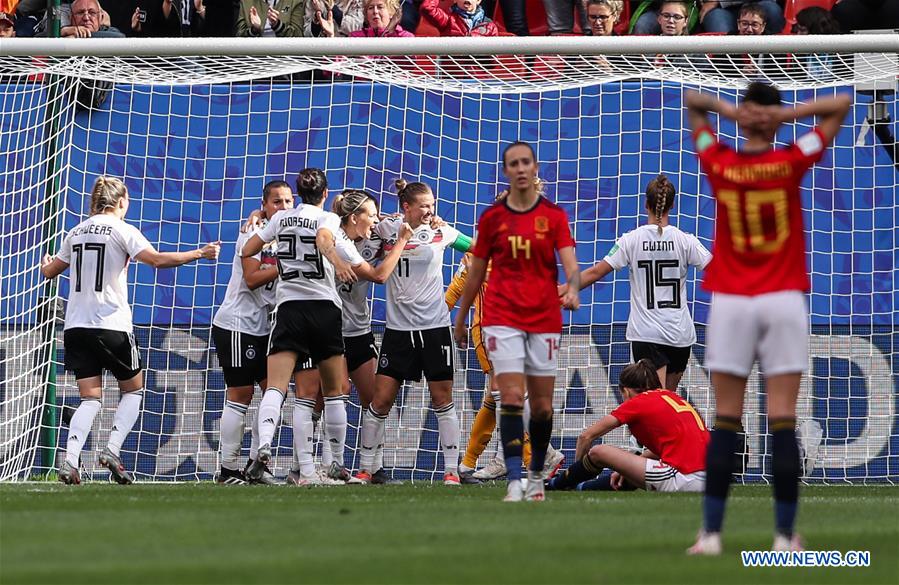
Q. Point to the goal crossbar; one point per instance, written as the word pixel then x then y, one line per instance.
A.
pixel 323 47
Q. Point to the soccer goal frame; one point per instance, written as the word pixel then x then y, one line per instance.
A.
pixel 196 126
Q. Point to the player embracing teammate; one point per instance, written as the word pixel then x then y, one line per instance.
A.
pixel 522 318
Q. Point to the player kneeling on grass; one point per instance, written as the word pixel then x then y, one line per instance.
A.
pixel 672 432
pixel 98 330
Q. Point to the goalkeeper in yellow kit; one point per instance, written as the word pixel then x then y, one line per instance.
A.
pixel 486 419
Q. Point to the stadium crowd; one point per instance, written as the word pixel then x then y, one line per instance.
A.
pixel 369 18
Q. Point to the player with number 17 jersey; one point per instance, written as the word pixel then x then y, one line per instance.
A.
pixel 522 245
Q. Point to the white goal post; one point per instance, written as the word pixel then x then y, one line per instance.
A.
pixel 195 127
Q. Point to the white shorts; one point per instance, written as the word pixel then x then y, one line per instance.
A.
pixel 772 328
pixel 513 351
pixel 661 477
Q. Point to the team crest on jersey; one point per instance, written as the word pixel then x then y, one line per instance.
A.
pixel 251 352
pixel 423 236
pixel 503 227
pixel 541 224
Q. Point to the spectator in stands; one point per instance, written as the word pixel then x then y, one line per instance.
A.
pixel 752 22
pixel 465 18
pixel 673 19
pixel 88 20
pixel 192 17
pixel 648 21
pixel 514 15
pixel 603 15
pixel 155 18
pixel 281 18
pixel 815 21
pixel 382 19
pixel 347 15
pixel 866 14
pixel 560 16
pixel 721 15
pixel 7 25
pixel 26 13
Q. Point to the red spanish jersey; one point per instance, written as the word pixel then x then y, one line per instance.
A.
pixel 759 244
pixel 522 247
pixel 668 426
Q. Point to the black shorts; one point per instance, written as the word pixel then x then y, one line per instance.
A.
pixel 675 358
pixel 90 351
pixel 312 329
pixel 405 355
pixel 241 356
pixel 359 349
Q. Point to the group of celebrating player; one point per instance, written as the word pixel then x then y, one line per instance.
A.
pixel 320 333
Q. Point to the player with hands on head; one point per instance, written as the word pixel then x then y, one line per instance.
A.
pixel 98 332
pixel 658 255
pixel 758 279
pixel 522 320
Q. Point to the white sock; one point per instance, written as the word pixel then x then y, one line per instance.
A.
pixel 526 414
pixel 335 428
pixel 254 436
pixel 450 435
pixel 125 417
pixel 500 455
pixel 373 425
pixel 327 456
pixel 231 434
pixel 303 431
pixel 269 415
pixel 80 428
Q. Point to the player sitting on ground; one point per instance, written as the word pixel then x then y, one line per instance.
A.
pixel 758 278
pixel 658 255
pixel 98 333
pixel 671 431
pixel 240 331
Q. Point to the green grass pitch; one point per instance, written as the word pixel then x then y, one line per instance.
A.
pixel 204 533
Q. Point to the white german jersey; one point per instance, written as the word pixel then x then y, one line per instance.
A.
pixel 97 251
pixel 658 270
pixel 415 287
pixel 305 275
pixel 356 308
pixel 243 309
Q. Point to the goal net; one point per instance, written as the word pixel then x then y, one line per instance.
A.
pixel 195 135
